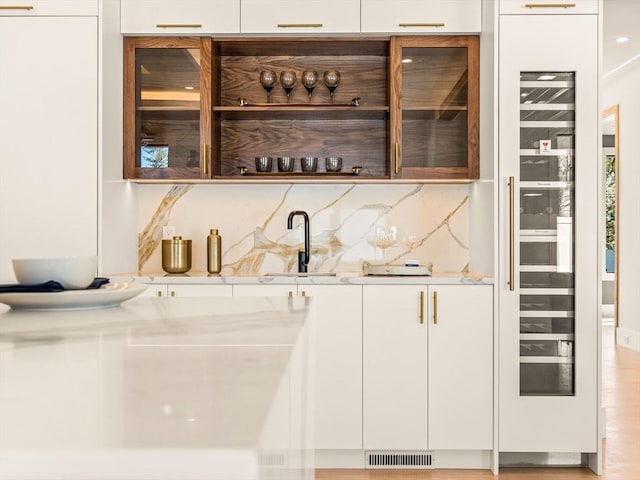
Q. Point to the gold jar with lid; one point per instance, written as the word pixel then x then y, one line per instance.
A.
pixel 176 255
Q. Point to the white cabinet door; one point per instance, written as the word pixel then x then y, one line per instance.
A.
pixel 49 8
pixel 190 17
pixel 338 370
pixel 48 144
pixel 155 291
pixel 428 367
pixel 394 351
pixel 460 359
pixel 300 16
pixel 277 290
pixel 199 290
pixel 549 312
pixel 545 7
pixel 422 16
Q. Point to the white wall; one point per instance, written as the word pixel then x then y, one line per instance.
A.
pixel 623 88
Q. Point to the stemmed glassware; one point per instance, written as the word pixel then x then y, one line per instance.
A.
pixel 268 80
pixel 309 80
pixel 331 80
pixel 288 80
pixel 384 238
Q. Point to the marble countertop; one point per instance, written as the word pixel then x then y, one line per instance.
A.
pixel 341 278
pixel 157 388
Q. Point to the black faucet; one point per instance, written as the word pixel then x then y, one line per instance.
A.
pixel 303 255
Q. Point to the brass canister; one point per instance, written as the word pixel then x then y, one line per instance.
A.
pixel 176 255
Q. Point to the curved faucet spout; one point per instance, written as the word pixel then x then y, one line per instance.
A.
pixel 303 256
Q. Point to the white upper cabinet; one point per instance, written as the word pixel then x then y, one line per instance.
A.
pixel 36 8
pixel 538 7
pixel 422 16
pixel 190 17
pixel 300 16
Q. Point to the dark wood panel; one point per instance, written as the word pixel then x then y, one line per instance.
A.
pixel 360 76
pixel 358 142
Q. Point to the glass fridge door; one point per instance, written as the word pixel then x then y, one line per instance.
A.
pixel 546 234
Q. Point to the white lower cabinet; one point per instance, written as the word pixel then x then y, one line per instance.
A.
pixel 338 368
pixel 174 290
pixel 427 367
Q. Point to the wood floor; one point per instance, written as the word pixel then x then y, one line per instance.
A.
pixel 621 393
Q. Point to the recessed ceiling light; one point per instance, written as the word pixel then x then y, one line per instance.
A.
pixel 528 102
pixel 524 94
pixel 622 39
pixel 546 77
pixel 189 88
pixel 407 60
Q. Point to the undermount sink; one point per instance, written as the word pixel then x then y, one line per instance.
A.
pixel 301 274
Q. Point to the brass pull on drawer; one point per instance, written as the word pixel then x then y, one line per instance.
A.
pixel 550 5
pixel 433 24
pixel 179 25
pixel 16 7
pixel 300 25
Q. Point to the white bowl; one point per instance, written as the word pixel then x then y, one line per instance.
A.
pixel 72 273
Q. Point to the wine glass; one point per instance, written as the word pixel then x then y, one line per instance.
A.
pixel 331 80
pixel 268 80
pixel 384 238
pixel 309 80
pixel 288 80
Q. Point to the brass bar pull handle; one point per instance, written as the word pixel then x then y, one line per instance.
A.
pixel 550 5
pixel 178 25
pixel 511 233
pixel 421 308
pixel 290 293
pixel 397 158
pixel 300 25
pixel 173 293
pixel 436 24
pixel 435 308
pixel 16 7
pixel 204 159
pixel 304 294
pixel 159 292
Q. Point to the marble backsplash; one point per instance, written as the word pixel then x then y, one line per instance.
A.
pixel 252 220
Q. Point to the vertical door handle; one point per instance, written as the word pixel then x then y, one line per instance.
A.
pixel 511 232
pixel 397 158
pixel 435 308
pixel 290 293
pixel 173 293
pixel 421 307
pixel 304 294
pixel 204 159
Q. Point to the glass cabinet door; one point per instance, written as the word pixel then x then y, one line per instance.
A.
pixel 167 107
pixel 435 107
pixel 546 233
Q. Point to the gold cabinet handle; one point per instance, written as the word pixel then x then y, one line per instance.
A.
pixel 205 169
pixel 550 5
pixel 178 25
pixel 437 24
pixel 159 292
pixel 397 158
pixel 435 308
pixel 511 233
pixel 290 293
pixel 304 294
pixel 421 308
pixel 173 293
pixel 16 7
pixel 300 25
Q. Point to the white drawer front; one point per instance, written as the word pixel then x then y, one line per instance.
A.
pixel 84 8
pixel 189 17
pixel 420 16
pixel 553 7
pixel 300 16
